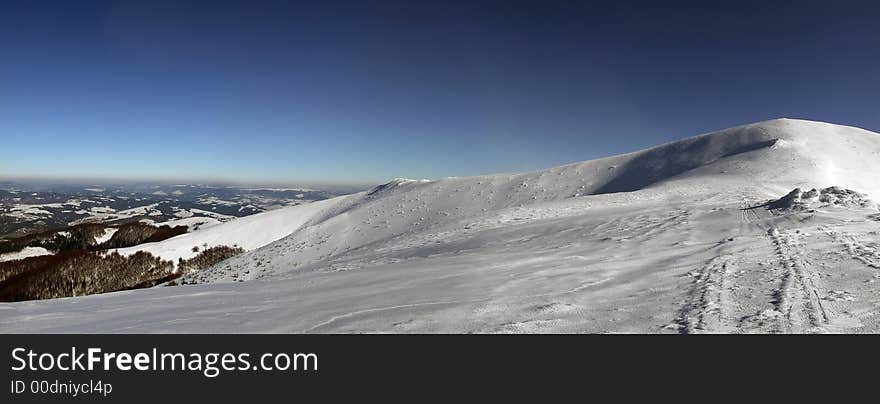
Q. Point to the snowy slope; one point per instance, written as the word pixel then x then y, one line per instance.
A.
pixel 248 232
pixel 651 241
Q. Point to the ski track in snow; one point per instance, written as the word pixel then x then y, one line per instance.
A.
pixel 795 297
pixel 798 294
pixel 708 308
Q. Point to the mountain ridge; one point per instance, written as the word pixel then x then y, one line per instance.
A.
pixel 762 160
pixel 696 244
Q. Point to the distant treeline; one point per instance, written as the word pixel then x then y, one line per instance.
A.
pixel 83 237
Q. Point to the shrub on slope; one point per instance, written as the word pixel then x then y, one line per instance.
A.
pixel 208 258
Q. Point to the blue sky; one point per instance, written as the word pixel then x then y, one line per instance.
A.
pixel 360 92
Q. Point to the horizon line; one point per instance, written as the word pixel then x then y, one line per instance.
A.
pixel 110 180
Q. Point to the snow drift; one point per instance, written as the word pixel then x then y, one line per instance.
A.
pixel 798 200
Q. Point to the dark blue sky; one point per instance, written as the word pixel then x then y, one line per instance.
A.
pixel 282 92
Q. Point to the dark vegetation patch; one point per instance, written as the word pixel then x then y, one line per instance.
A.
pixel 81 272
pixel 132 234
pixel 79 237
pixel 82 237
pixel 81 266
pixel 77 273
pixel 207 258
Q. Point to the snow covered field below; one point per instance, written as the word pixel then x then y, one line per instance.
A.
pixel 673 239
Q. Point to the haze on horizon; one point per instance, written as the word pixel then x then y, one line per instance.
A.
pixel 282 92
pixel 49 182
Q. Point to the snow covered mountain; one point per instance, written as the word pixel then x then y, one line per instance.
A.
pixel 653 241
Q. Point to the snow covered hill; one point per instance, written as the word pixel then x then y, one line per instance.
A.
pixel 248 232
pixel 762 159
pixel 652 241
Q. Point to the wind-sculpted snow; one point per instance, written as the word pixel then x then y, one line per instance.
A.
pixel 665 162
pixel 677 238
pixel 819 198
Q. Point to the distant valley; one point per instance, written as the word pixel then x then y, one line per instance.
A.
pixel 25 209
